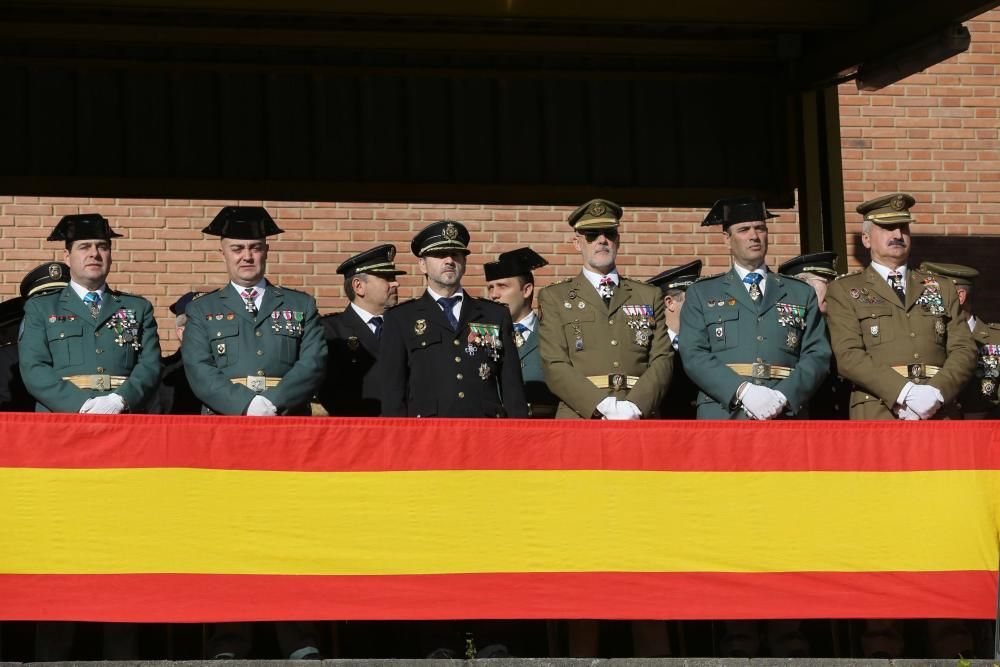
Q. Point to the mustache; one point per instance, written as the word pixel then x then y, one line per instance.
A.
pixel 898 242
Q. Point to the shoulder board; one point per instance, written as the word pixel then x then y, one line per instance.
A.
pixel 714 275
pixel 783 276
pixel 559 282
pixel 849 274
pixel 128 294
pixel 293 291
pixel 993 325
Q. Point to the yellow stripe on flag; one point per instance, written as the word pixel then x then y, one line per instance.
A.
pixel 255 522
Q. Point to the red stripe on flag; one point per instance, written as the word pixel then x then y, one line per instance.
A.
pixel 209 598
pixel 352 444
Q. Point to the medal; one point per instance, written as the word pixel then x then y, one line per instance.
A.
pixel 874 330
pixel 579 345
pixel 939 327
pixel 792 340
pixel 642 337
pixel 420 327
pixel 518 338
pixel 581 304
pixel 221 348
pixel 720 332
pixel 484 371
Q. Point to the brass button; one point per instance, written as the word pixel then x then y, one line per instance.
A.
pixel 907 314
pixel 260 372
pixel 760 338
pixel 260 353
pixel 916 355
pixel 611 320
pixel 461 394
pixel 460 376
pixel 615 364
pixel 760 318
pixel 455 342
pixel 259 334
pixel 614 342
pixel 218 333
pixel 423 343
pixel 100 370
pixel 99 350
pixel 97 334
pixel 458 360
pixel 62 335
pixel 913 335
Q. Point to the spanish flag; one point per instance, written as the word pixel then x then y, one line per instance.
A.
pixel 195 519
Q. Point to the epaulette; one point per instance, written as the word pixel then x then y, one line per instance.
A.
pixel 559 282
pixel 993 325
pixel 784 276
pixel 714 275
pixel 849 273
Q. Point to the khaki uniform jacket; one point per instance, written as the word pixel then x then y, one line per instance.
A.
pixel 61 338
pixel 572 311
pixel 721 324
pixel 223 341
pixel 871 331
pixel 979 399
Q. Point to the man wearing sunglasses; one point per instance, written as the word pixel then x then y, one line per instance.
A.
pixel 605 349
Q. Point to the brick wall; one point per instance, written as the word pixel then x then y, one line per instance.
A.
pixel 934 135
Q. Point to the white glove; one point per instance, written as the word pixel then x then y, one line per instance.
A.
pixel 762 402
pixel 607 407
pixel 261 407
pixel 924 400
pixel 109 404
pixel 907 415
pixel 625 410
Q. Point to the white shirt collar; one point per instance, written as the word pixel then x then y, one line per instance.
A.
pixel 530 320
pixel 362 313
pixel 884 271
pixel 457 308
pixel 82 291
pixel 595 278
pixel 972 323
pixel 743 273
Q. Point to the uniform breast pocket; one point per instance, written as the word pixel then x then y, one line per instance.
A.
pixel 66 344
pixel 288 346
pixel 723 332
pixel 426 341
pixel 876 325
pixel 224 340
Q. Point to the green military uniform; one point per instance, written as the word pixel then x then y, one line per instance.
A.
pixel 69 354
pixel 881 343
pixel 591 349
pixel 232 355
pixel 978 400
pixel 728 339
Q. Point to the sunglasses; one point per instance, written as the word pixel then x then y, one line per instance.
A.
pixel 609 234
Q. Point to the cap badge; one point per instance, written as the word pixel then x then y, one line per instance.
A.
pixel 597 209
pixel 898 203
pixel 450 231
pixel 54 271
pixel 391 254
pixel 419 327
pixel 353 343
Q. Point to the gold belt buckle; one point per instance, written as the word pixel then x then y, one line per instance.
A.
pixel 915 371
pixel 102 382
pixel 256 384
pixel 760 370
pixel 617 381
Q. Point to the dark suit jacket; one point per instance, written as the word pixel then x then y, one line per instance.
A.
pixel 351 388
pixel 175 396
pixel 427 370
pixel 681 400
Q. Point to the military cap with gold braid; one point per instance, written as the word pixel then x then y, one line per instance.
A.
pixel 47 277
pixel 379 261
pixel 246 223
pixel 680 277
pixel 957 273
pixel 820 263
pixel 888 210
pixel 441 236
pixel 596 214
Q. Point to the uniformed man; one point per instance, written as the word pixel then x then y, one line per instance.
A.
pixel 88 348
pixel 604 344
pixel 353 336
pixel 253 348
pixel 979 399
pixel 175 395
pixel 680 401
pixel 817 269
pixel 898 333
pixel 754 341
pixel 446 353
pixel 44 279
pixel 509 280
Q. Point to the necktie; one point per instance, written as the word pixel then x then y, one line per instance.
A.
pixel 93 301
pixel 753 280
pixel 896 283
pixel 447 303
pixel 248 296
pixel 377 323
pixel 606 288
